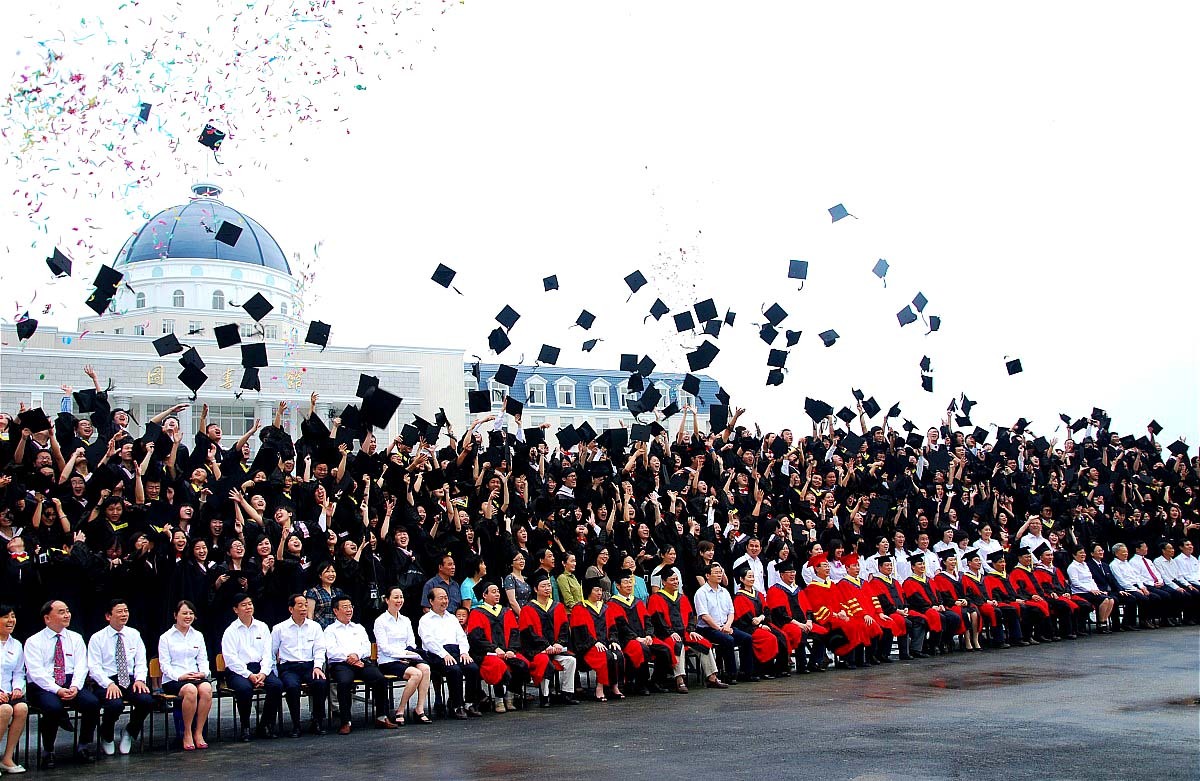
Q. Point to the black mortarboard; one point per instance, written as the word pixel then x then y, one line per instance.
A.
pixel 1155 428
pixel 144 111
pixel 590 345
pixel 916 558
pixel 636 282
pixel 585 320
pixel 793 337
pixel 650 398
pixel 691 384
pixel 906 316
pixel 379 407
pixel 550 283
pixel 1128 440
pixel 970 554
pixel 506 375
pixel 26 328
pixel 479 401
pixel 548 354
pixel 254 354
pixel 211 137
pixel 192 378
pixel 730 316
pixel 851 443
pixel 1039 550
pixel 712 328
pixel 498 341
pixel 935 323
pixel 962 420
pixel 775 314
pixel 106 283
pixel 798 269
pixel 914 440
pixel 980 434
pixel 894 412
pixel 927 382
pixel 227 335
pixel 35 420
pixel 645 366
pixel 670 409
pixel 684 321
pixel 366 385
pixel 925 363
pixel 508 317
pixel 871 407
pixel 948 553
pixel 656 429
pixel 919 302
pixel 777 358
pixel 703 356
pixel 628 362
pixel 829 337
pixel 258 307
pixel 1014 366
pixel 768 333
pixel 1041 445
pixel 908 425
pixel 535 436
pixel 880 506
pixel 953 406
pixel 86 400
pixel 880 270
pixel 229 233
pixel 250 379
pixel 444 275
pixel 614 440
pixel 817 409
pixel 775 377
pixel 512 406
pixel 659 309
pixel 722 396
pixel 858 394
pixel 636 382
pixel 318 333
pixel 779 447
pixel 967 404
pixel 191 358
pixel 567 438
pixel 705 310
pixel 409 434
pixel 995 556
pixel 787 565
pixel 846 415
pixel 60 264
pixel 1178 448
pixel 585 431
pixel 718 416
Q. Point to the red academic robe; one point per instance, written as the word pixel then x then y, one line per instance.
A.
pixel 859 605
pixel 894 622
pixel 1052 581
pixel 487 631
pixel 976 593
pixel 627 619
pixel 921 598
pixel 588 628
pixel 785 612
pixel 950 591
pixel 1024 585
pixel 539 630
pixel 826 605
pixel 674 614
pixel 746 607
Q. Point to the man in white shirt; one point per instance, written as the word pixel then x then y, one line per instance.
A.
pixel 1132 585
pixel 870 565
pixel 1186 563
pixel 1173 580
pixel 447 651
pixel 298 648
pixel 117 665
pixel 348 651
pixel 1173 599
pixel 250 667
pixel 1034 539
pixel 752 560
pixel 714 622
pixel 933 565
pixel 56 667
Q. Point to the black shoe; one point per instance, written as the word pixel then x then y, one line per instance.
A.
pixel 460 714
pixel 920 655
pixel 47 761
pixel 65 723
pixel 318 727
pixel 295 733
pixel 85 754
pixel 473 711
pixel 245 736
pixel 543 701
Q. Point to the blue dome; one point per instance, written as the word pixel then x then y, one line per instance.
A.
pixel 190 231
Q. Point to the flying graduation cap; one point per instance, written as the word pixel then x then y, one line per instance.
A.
pixel 498 341
pixel 550 283
pixel 775 377
pixel 585 320
pixel 229 233
pixel 636 281
pixel 444 276
pixel 659 309
pixel 684 322
pixel 144 112
pixel 703 356
pixel 793 337
pixel 227 335
pixel 318 333
pixel 838 211
pixel 880 270
pixel 258 307
pixel 590 345
pixel 798 269
pixel 548 355
pixel 60 264
pixel 906 316
pixel 106 283
pixel 26 327
pixel 211 138
pixel 1014 366
pixel 935 323
pixel 705 310
pixel 775 314
pixel 508 317
pixel 250 380
pixel 829 337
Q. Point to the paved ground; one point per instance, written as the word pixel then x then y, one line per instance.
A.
pixel 1122 706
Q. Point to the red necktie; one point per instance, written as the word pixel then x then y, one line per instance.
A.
pixel 60 662
pixel 1153 577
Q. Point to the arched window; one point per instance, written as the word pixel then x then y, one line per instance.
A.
pixel 140 301
pixel 218 299
pixel 177 299
pixel 283 308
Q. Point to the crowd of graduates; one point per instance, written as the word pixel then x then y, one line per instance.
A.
pixel 621 552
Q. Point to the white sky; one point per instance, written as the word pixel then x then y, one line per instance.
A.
pixel 1032 169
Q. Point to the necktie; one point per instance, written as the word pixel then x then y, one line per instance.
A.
pixel 60 663
pixel 122 663
pixel 1153 577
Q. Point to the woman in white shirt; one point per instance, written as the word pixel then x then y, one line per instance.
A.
pixel 397 653
pixel 986 543
pixel 185 671
pixel 13 709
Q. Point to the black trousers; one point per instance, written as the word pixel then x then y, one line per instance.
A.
pixel 293 675
pixel 243 695
pixel 344 675
pixel 54 712
pixel 456 675
pixel 142 703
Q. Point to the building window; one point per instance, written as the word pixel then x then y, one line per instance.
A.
pixel 157 272
pixel 626 395
pixel 498 392
pixel 218 299
pixel 118 331
pixel 168 326
pixel 139 330
pixel 233 420
pixel 469 383
pixel 197 271
pixel 601 424
pixel 194 327
pixel 686 400
pixel 665 390
pixel 235 274
pixel 600 394
pixel 283 308
pixel 140 301
pixel 536 420
pixel 246 329
pixel 177 299
pixel 564 389
pixel 271 331
pixel 535 388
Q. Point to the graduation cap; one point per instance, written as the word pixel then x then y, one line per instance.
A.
pixel 880 270
pixel 229 233
pixel 26 328
pixel 817 409
pixel 1098 414
pixel 914 440
pixel 1178 448
pixel 828 337
pixel 767 333
pixel 144 111
pixel 409 434
pixel 908 425
pixel 590 345
pixel 906 316
pixel 919 302
pixel 250 379
pixel 1155 429
pixel 777 358
pixel 506 375
pixel 479 401
pixel 858 394
pixel 106 283
pixel 846 415
pixel 659 309
pixel 548 355
pixel 925 363
pixel 967 404
pixel 793 337
pixel 1041 445
pixel 628 362
pixel 705 310
pixel 691 384
pixel 871 407
pixel 640 432
pixel 650 398
pixel 512 406
pixel 935 323
pixel 775 377
pixel 35 420
pixel 585 432
pixel 585 320
pixel 254 355
pixel 636 282
pixel 962 420
pixel 927 383
pixel 684 322
pixel 258 307
pixel 318 333
pixel 191 358
pixel 730 316
pixel 211 137
pixel 535 436
pixel 1014 366
pixel 508 317
pixel 192 378
pixel 838 212
pixel 444 275
pixel 86 400
pixel 670 409
pixel 980 434
pixel 703 356
pixel 379 407
pixel 712 328
pixel 851 443
pixel 60 264
pixel 635 382
pixel 718 416
pixel 894 412
pixel 645 366
pixel 775 314
pixel 498 341
pixel 951 553
pixel 798 269
pixel 366 385
pixel 722 396
pixel 550 282
pixel 1039 550
pixel 567 438
pixel 227 335
pixel 916 558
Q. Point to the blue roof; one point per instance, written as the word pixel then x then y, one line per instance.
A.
pixel 190 231
pixel 583 379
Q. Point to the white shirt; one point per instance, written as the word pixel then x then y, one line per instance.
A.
pixel 1032 541
pixel 292 642
pixel 180 654
pixel 437 632
pixel 12 666
pixel 986 547
pixel 39 659
pixel 1146 571
pixel 870 566
pixel 243 645
pixel 1170 571
pixel 933 565
pixel 341 640
pixel 1127 574
pixel 772 574
pixel 394 638
pixel 102 656
pixel 1081 578
pixel 714 603
pixel 756 566
pixel 1189 568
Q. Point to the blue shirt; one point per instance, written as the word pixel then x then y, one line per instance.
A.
pixel 452 590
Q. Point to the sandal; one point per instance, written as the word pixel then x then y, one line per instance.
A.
pixel 398 719
pixel 421 718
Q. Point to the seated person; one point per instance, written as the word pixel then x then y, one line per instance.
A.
pixel 348 651
pixel 250 666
